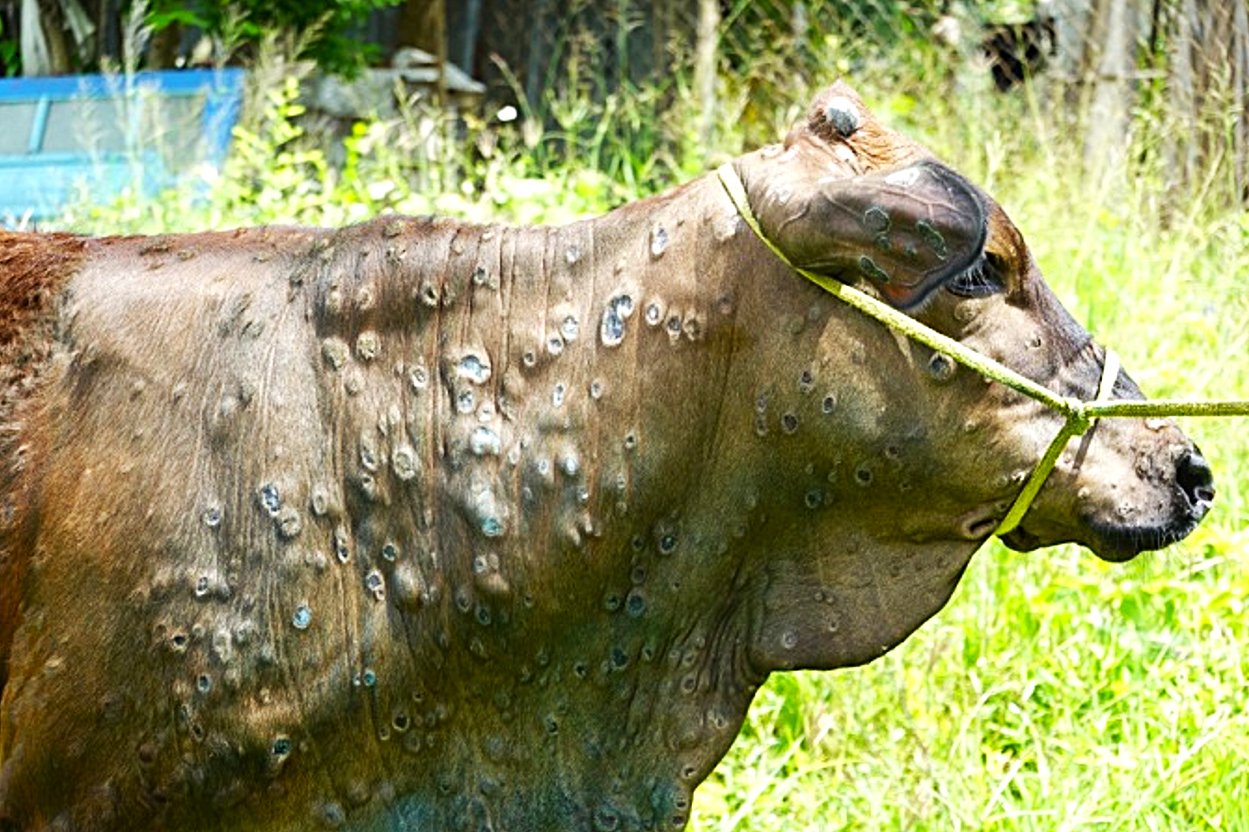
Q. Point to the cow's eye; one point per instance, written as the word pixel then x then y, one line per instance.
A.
pixel 982 278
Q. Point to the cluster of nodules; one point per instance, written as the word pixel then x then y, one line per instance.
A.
pixel 476 441
pixel 789 417
pixel 341 356
pixel 486 461
pixel 480 441
pixel 230 645
pixel 656 314
pixel 384 565
pixel 394 442
pixel 621 305
pixel 486 449
pixel 224 648
pixel 661 806
pixel 779 409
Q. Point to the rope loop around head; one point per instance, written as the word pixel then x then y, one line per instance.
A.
pixel 1080 415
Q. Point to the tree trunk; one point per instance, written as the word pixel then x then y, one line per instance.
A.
pixel 1071 40
pixel 1111 69
pixel 662 31
pixel 1182 156
pixel 705 68
pixel 45 48
pixel 162 52
pixel 1207 85
pixel 463 30
pixel 1238 32
pixel 422 24
pixel 539 52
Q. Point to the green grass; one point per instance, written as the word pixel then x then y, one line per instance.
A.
pixel 1054 692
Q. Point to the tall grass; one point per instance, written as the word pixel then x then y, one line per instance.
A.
pixel 1055 692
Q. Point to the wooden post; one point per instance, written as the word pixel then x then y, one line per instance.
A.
pixel 440 48
pixel 419 22
pixel 705 52
pixel 465 34
pixel 539 54
pixel 1207 85
pixel 1182 157
pixel 1113 36
pixel 1238 32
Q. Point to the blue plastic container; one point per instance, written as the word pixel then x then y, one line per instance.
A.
pixel 65 136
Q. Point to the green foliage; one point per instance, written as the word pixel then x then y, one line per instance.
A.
pixel 416 164
pixel 1008 11
pixel 246 23
pixel 1055 692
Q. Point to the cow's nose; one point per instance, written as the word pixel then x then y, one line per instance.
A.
pixel 1193 476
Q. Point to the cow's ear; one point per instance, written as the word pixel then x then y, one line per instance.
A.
pixel 906 231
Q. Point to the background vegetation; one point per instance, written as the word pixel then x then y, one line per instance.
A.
pixel 1055 692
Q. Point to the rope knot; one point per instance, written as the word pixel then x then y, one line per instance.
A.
pixel 1078 421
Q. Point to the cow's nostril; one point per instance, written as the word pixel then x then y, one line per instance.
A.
pixel 1193 476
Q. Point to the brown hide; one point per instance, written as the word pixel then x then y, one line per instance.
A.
pixel 34 271
pixel 424 525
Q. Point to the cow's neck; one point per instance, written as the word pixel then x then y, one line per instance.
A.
pixel 550 451
pixel 539 508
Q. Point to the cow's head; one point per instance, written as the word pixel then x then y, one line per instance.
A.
pixel 884 436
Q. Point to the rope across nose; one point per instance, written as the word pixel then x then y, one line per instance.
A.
pixel 1080 415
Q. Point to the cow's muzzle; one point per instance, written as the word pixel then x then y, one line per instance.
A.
pixel 1113 541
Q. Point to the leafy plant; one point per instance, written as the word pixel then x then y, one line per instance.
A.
pixel 245 23
pixel 10 54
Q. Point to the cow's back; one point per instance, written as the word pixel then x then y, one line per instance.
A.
pixel 33 268
pixel 177 390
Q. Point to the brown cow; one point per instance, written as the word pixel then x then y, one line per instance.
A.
pixel 422 525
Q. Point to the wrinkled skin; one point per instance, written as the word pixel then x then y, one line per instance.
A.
pixel 430 526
